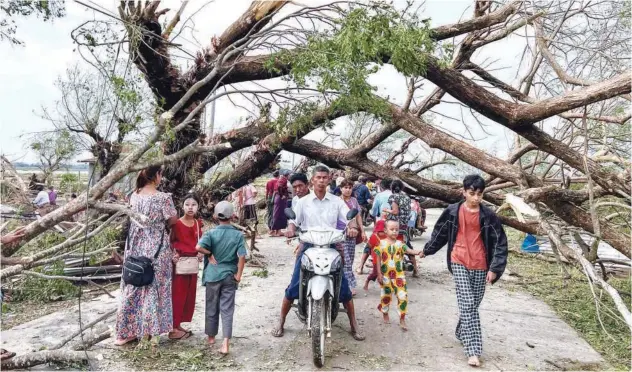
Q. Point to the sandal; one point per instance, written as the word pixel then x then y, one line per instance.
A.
pixel 5 354
pixel 184 336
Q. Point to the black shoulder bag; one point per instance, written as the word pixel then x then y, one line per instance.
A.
pixel 139 270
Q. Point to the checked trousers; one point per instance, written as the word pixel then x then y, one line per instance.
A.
pixel 470 288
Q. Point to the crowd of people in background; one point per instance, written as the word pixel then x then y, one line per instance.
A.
pixel 476 254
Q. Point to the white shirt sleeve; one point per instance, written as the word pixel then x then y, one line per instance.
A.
pixel 342 210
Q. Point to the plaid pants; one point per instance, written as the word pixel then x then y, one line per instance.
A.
pixel 348 251
pixel 470 288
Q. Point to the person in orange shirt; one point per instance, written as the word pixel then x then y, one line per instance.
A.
pixel 477 254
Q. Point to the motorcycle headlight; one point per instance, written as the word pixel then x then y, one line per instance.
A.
pixel 306 263
pixel 336 264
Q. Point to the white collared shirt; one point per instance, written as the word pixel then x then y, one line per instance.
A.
pixel 313 213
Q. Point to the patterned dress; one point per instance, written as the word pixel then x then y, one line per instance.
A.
pixel 147 311
pixel 403 202
pixel 394 277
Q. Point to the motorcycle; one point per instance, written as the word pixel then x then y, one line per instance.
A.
pixel 319 283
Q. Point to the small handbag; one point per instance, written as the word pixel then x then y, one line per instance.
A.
pixel 139 270
pixel 189 265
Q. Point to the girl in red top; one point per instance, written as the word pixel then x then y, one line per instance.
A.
pixel 374 241
pixel 184 237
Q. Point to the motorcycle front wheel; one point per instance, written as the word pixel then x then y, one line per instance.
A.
pixel 319 315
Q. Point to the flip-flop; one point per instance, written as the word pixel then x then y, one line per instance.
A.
pixel 183 337
pixel 5 354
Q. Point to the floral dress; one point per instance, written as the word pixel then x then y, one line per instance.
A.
pixel 403 202
pixel 147 311
pixel 394 276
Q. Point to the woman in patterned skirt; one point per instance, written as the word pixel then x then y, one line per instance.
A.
pixel 349 245
pixel 147 311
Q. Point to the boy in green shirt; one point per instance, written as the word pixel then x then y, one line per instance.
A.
pixel 225 252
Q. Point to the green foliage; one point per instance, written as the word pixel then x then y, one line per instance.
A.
pixel 69 182
pixel 176 357
pixel 46 9
pixel 261 273
pixel 44 290
pixel 364 38
pixel 53 149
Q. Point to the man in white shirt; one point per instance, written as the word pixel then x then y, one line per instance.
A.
pixel 318 210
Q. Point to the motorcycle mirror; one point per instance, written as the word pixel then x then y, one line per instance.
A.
pixel 351 214
pixel 289 213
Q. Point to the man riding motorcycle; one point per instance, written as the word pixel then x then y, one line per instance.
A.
pixel 318 209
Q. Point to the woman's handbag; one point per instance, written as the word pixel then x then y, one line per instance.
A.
pixel 189 265
pixel 139 270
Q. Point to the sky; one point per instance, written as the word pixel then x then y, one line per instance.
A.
pixel 28 73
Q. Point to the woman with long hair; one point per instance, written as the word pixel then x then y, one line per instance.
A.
pixel 185 235
pixel 147 311
pixel 349 245
pixel 279 221
pixel 400 210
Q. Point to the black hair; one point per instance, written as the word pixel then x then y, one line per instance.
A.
pixel 320 168
pixel 397 186
pixel 51 187
pixel 474 182
pixel 147 175
pixel 346 182
pixel 192 196
pixel 299 177
pixel 275 173
pixel 362 180
pixel 386 183
pixel 73 196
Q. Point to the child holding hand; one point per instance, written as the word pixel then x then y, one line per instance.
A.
pixel 391 274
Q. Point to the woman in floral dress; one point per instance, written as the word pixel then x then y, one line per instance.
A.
pixel 349 245
pixel 147 311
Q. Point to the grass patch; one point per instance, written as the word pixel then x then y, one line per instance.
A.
pixel 573 301
pixel 261 273
pixel 177 356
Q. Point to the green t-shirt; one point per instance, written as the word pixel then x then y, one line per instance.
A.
pixel 227 244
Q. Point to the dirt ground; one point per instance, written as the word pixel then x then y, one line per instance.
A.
pixel 519 331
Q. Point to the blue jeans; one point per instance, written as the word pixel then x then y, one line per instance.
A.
pixel 291 292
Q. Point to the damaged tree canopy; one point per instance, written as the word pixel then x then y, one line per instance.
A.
pixel 306 68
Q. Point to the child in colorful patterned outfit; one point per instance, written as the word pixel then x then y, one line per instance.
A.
pixel 391 275
pixel 374 242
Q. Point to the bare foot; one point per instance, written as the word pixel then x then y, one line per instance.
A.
pixel 416 273
pixel 121 342
pixel 278 331
pixel 474 361
pixel 402 325
pixel 387 320
pixel 225 347
pixel 210 340
pixel 366 286
pixel 354 292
